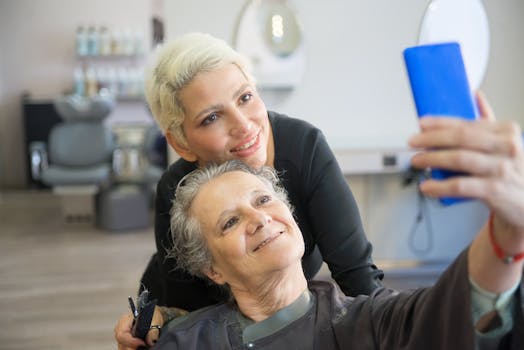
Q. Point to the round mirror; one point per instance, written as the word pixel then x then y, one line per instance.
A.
pixel 465 22
pixel 268 33
pixel 282 32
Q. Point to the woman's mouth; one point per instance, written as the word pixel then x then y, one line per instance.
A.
pixel 267 241
pixel 246 145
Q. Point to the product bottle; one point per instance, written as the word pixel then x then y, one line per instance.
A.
pixel 123 82
pixel 93 44
pixel 81 41
pixel 139 42
pixel 116 42
pixel 105 41
pixel 79 88
pixel 128 42
pixel 112 81
pixel 91 82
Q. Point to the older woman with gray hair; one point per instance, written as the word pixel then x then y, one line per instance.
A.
pixel 235 227
pixel 190 245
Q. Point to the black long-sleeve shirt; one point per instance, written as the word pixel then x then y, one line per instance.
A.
pixel 324 208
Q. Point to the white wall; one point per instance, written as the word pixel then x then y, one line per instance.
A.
pixel 355 87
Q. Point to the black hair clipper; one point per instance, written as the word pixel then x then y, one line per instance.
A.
pixel 143 315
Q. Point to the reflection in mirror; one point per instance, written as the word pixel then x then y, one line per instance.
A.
pixel 282 31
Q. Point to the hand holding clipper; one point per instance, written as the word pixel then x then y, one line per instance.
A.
pixel 143 314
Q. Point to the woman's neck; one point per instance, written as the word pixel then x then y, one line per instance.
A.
pixel 266 296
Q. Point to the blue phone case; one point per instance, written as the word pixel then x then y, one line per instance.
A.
pixel 440 88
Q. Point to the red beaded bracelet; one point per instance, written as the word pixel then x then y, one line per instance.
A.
pixel 507 259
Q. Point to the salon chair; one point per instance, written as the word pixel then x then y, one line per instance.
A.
pixel 138 164
pixel 76 161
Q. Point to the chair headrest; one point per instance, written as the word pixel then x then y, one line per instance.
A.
pixel 74 107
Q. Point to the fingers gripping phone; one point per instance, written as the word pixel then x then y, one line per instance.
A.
pixel 440 87
pixel 143 315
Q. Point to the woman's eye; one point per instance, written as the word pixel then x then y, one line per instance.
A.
pixel 246 97
pixel 209 119
pixel 230 223
pixel 263 199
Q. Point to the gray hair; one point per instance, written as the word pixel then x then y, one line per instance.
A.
pixel 189 244
pixel 176 65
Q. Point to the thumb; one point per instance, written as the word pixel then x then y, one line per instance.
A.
pixel 153 335
pixel 156 324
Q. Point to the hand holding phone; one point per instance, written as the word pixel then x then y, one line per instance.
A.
pixel 440 87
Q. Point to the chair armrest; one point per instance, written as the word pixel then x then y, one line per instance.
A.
pixel 38 158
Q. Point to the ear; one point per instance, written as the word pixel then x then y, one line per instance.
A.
pixel 182 150
pixel 214 276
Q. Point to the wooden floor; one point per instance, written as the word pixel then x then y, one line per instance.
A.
pixel 64 286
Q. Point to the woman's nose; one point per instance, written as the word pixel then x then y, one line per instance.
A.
pixel 240 124
pixel 257 221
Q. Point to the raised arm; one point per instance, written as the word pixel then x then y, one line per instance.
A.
pixel 492 153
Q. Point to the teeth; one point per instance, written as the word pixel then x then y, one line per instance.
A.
pixel 266 241
pixel 263 243
pixel 247 145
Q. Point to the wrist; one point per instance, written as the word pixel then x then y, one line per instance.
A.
pixel 506 255
pixel 170 313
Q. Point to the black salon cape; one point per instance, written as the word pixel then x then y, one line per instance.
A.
pixel 324 208
pixel 432 318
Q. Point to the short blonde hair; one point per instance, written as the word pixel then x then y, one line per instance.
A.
pixel 176 65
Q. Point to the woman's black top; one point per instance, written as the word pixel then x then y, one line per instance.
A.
pixel 324 208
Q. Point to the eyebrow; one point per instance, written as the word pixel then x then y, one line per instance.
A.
pixel 224 214
pixel 211 108
pixel 207 110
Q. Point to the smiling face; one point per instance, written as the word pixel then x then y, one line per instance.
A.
pixel 225 119
pixel 250 232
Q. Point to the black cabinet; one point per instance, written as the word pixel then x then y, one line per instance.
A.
pixel 39 118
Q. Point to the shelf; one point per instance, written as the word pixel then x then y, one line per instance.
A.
pixel 111 57
pixel 131 99
pixel 373 161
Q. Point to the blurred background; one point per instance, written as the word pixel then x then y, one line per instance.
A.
pixel 80 154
